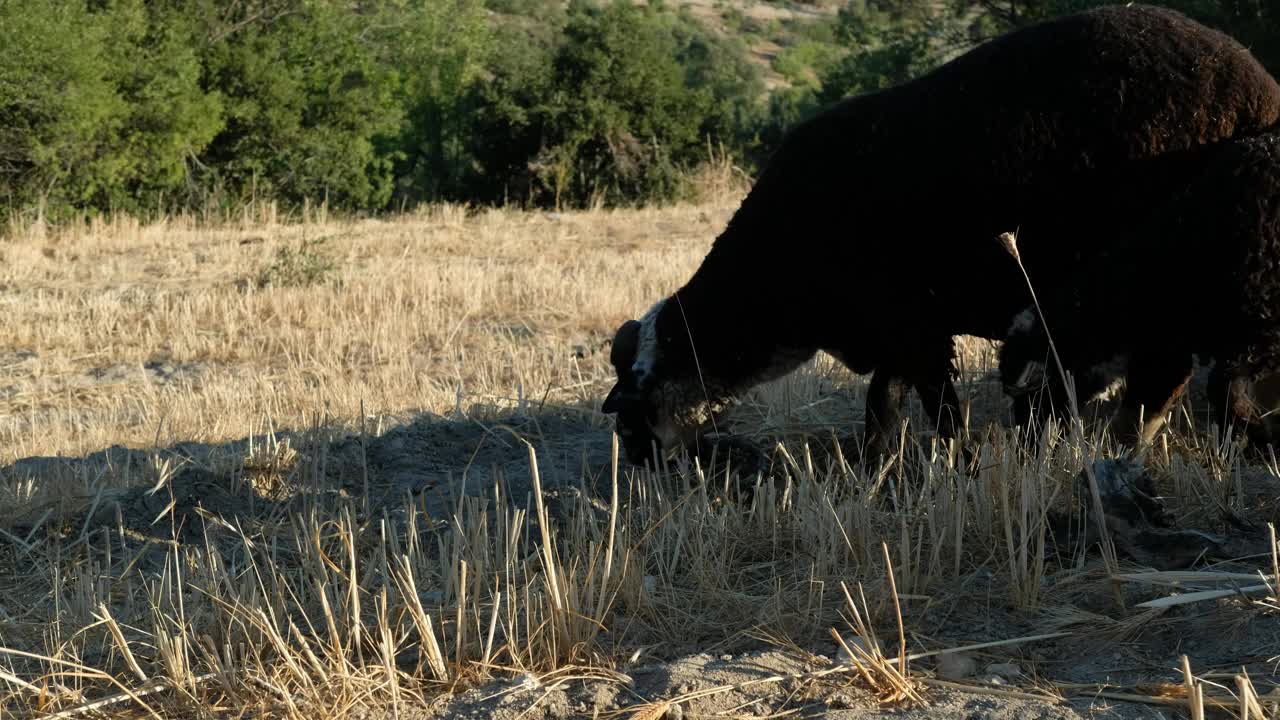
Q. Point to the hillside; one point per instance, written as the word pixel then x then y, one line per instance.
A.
pixel 767 27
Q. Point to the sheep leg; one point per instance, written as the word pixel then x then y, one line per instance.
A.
pixel 1033 406
pixel 942 403
pixel 1266 396
pixel 1227 401
pixel 885 396
pixel 1245 405
pixel 1024 347
pixel 1155 383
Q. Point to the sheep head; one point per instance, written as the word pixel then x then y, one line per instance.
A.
pixel 658 399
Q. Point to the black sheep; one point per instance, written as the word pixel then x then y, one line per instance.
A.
pixel 870 233
pixel 1194 273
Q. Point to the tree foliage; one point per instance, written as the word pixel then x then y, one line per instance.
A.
pixel 100 108
pixel 154 105
pixel 613 109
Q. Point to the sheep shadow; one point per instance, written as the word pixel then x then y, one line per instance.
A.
pixel 190 492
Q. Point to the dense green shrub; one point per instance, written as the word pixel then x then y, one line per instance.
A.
pixel 305 100
pixel 98 108
pixel 615 109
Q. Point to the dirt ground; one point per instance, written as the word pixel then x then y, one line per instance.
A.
pixel 690 674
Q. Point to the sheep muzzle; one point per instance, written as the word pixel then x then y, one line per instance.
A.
pixel 626 399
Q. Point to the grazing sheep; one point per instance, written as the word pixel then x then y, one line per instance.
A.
pixel 1194 275
pixel 927 173
pixel 870 233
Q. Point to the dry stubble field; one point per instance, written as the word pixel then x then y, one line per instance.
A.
pixel 246 476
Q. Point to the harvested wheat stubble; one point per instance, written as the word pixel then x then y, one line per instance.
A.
pixel 389 561
pixel 415 458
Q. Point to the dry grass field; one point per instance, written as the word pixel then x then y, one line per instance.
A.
pixel 319 468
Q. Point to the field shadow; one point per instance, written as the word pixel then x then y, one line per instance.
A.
pixel 178 493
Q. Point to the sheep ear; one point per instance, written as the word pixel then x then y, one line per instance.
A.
pixel 625 343
pixel 621 355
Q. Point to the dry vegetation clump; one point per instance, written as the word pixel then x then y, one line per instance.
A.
pixel 387 489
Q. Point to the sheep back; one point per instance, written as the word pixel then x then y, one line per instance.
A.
pixel 1194 269
pixel 908 186
pixel 1074 93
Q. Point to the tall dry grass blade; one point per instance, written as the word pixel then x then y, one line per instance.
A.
pixel 487 657
pixel 97 706
pixel 897 611
pixel 87 672
pixel 459 621
pixel 1275 563
pixel 1195 597
pixel 435 656
pixel 1077 424
pixel 607 573
pixel 890 684
pixel 387 648
pixel 550 564
pixel 857 662
pixel 984 645
pixel 121 644
pixel 1194 690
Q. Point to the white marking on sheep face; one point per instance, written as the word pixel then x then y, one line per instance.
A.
pixel 1024 322
pixel 677 407
pixel 1032 375
pixel 647 345
pixel 1110 375
pixel 680 404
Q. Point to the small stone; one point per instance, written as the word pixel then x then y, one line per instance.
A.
pixel 529 681
pixel 956 666
pixel 840 700
pixel 675 712
pixel 1008 671
pixel 858 644
pixel 994 680
pixel 726 657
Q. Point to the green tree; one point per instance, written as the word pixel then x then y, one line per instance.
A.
pixel 307 99
pixel 721 66
pixel 141 104
pixel 511 115
pixel 98 108
pixel 57 101
pixel 890 42
pixel 169 118
pixel 616 109
pixel 440 46
pixel 623 117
